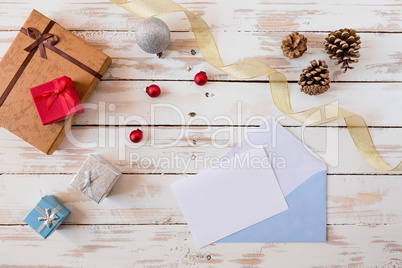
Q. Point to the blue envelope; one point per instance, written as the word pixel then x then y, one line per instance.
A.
pixel 303 180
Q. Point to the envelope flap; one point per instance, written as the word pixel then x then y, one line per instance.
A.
pixel 292 161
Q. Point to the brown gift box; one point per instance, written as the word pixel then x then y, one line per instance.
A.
pixel 65 55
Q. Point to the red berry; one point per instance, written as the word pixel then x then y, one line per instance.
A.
pixel 136 136
pixel 201 78
pixel 153 91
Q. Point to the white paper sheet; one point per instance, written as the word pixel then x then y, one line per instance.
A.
pixel 226 199
pixel 293 163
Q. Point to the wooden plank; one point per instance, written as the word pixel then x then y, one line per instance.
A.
pixel 183 149
pixel 172 246
pixel 221 103
pixel 223 15
pixel 139 224
pixel 380 56
pixel 147 199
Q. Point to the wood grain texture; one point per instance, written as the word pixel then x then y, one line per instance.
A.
pixel 147 199
pixel 380 59
pixel 184 149
pixel 221 103
pixel 222 15
pixel 139 224
pixel 172 246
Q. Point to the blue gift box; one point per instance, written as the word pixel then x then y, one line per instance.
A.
pixel 47 215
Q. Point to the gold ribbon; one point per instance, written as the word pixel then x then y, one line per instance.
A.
pixel 279 87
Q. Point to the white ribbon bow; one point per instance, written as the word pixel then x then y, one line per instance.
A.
pixel 49 218
pixel 88 177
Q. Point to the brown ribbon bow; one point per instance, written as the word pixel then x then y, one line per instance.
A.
pixel 41 40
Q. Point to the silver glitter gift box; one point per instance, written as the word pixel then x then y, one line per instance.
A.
pixel 96 178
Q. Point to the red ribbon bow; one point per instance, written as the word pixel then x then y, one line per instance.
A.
pixel 61 92
pixel 41 40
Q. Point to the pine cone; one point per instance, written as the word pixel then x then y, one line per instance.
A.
pixel 315 78
pixel 294 45
pixel 343 45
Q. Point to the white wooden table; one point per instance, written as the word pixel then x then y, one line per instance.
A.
pixel 140 224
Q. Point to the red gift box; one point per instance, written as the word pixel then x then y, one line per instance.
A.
pixel 56 100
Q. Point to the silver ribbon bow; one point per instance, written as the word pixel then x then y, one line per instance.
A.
pixel 49 217
pixel 88 177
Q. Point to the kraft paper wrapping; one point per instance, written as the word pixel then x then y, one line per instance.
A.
pixel 18 113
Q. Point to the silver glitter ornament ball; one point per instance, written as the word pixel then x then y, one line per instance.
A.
pixel 152 35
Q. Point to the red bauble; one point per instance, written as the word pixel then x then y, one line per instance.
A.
pixel 153 91
pixel 136 136
pixel 201 78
